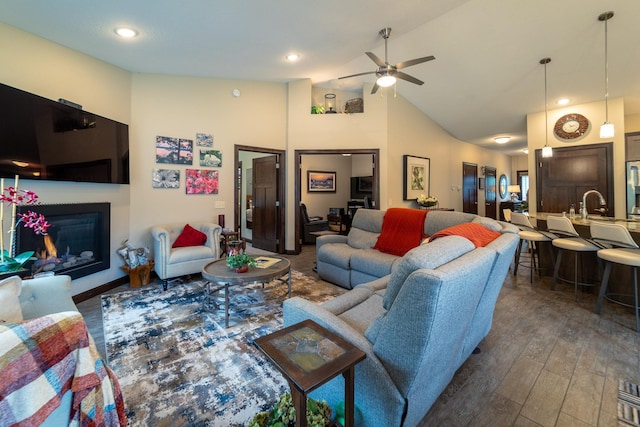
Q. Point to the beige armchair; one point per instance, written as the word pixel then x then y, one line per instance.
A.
pixel 173 262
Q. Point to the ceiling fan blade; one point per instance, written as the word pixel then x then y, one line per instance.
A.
pixel 408 78
pixel 379 62
pixel 355 75
pixel 416 61
pixel 374 89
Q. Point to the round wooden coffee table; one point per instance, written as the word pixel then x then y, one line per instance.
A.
pixel 221 279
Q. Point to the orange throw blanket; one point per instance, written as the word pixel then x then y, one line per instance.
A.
pixel 402 230
pixel 478 234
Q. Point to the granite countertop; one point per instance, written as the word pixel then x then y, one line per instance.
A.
pixel 632 225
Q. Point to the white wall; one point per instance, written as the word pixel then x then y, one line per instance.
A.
pixel 52 71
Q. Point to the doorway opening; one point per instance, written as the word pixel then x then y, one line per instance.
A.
pixel 348 165
pixel 259 202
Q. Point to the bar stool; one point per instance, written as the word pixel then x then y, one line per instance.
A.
pixel 621 249
pixel 533 237
pixel 568 240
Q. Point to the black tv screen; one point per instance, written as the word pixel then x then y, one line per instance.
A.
pixel 48 140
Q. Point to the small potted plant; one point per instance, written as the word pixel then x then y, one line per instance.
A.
pixel 241 262
pixel 283 414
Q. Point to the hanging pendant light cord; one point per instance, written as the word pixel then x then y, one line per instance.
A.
pixel 606 72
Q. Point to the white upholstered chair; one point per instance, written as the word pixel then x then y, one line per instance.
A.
pixel 174 262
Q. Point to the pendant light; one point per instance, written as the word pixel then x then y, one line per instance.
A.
pixel 546 150
pixel 606 129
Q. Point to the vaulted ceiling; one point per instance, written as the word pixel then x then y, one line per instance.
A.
pixel 484 81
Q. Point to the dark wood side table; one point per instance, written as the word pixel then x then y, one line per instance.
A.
pixel 309 355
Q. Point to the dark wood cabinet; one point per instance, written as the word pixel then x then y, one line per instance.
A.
pixel 508 204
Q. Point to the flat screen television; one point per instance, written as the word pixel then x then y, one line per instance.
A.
pixel 49 140
pixel 361 186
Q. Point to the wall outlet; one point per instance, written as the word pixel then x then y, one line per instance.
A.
pixel 220 204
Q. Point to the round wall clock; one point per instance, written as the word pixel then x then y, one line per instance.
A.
pixel 571 126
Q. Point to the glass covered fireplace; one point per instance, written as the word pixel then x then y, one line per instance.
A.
pixel 77 242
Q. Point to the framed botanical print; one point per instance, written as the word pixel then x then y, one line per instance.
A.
pixel 416 176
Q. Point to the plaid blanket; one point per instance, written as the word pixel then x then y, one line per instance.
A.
pixel 42 359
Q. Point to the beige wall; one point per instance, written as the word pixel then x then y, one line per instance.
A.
pixel 595 112
pixel 413 133
pixel 318 203
pixel 52 71
pixel 181 107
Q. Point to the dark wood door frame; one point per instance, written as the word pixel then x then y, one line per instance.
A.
pixel 490 193
pixel 281 195
pixel 298 181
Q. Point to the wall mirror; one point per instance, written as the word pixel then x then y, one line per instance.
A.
pixel 502 186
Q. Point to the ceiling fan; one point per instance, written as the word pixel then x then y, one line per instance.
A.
pixel 387 73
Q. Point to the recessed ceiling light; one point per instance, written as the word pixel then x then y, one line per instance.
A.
pixel 502 139
pixel 525 151
pixel 293 57
pixel 20 164
pixel 563 101
pixel 126 32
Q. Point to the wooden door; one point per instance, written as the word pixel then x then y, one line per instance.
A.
pixel 491 207
pixel 563 179
pixel 265 204
pixel 470 188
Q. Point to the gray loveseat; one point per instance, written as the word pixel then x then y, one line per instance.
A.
pixel 350 260
pixel 417 325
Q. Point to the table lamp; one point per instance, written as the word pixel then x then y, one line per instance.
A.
pixel 514 190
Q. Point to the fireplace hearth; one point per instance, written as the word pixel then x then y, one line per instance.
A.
pixel 77 243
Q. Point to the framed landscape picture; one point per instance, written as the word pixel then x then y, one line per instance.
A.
pixel 416 177
pixel 321 182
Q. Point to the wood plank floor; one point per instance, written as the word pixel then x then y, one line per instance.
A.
pixel 548 361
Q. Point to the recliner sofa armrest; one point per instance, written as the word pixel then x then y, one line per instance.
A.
pixel 330 238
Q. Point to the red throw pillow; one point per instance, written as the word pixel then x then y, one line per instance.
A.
pixel 478 234
pixel 190 237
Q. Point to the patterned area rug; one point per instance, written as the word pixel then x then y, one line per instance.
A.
pixel 628 404
pixel 179 366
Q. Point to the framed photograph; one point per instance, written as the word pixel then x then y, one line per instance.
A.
pixel 416 177
pixel 480 183
pixel 201 181
pixel 210 158
pixel 321 182
pixel 165 178
pixel 167 150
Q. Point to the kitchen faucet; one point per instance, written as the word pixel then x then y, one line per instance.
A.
pixel 584 202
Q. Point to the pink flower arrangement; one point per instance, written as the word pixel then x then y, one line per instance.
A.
pixel 13 197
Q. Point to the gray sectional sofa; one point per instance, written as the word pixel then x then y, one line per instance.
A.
pixel 350 260
pixel 416 325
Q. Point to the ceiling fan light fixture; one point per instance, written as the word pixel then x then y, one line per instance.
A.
pixel 386 81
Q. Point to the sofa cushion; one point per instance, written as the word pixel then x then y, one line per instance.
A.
pixel 427 256
pixel 10 310
pixel 490 223
pixel 362 239
pixel 337 254
pixel 362 315
pixel 477 234
pixel 439 220
pixel 373 262
pixel 190 237
pixel 402 230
